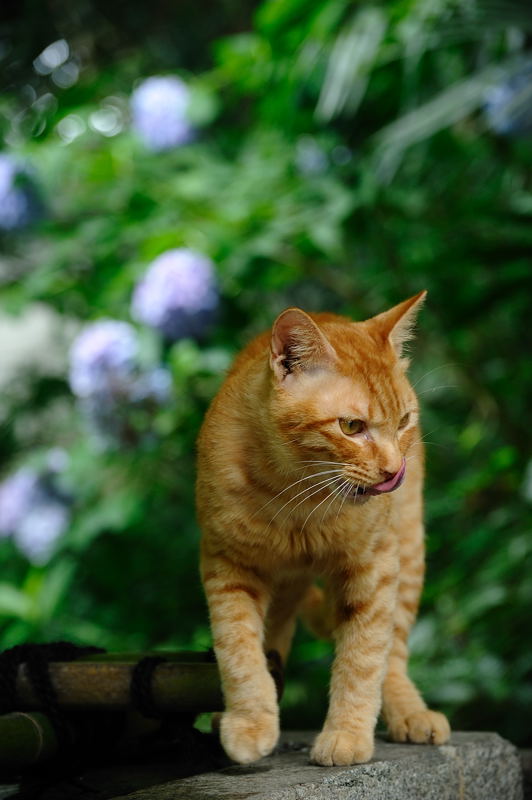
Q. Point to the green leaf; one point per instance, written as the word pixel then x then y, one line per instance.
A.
pixel 14 602
pixel 350 63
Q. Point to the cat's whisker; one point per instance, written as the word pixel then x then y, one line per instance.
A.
pixel 361 477
pixel 318 487
pixel 334 464
pixel 366 478
pixel 336 493
pixel 346 495
pixel 424 440
pixel 429 433
pixel 304 500
pixel 437 388
pixel 306 478
pixel 440 366
pixel 316 508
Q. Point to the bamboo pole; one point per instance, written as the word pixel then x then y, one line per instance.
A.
pixel 186 682
pixel 25 739
pixel 187 656
pixel 176 686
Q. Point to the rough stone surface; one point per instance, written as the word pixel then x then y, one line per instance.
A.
pixel 473 766
pixel 526 765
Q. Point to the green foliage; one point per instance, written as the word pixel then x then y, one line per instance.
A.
pixel 342 161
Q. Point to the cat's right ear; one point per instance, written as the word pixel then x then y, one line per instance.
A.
pixel 298 345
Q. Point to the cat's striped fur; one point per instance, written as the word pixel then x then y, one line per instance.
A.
pixel 280 504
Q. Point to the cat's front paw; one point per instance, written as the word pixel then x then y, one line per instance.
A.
pixel 341 748
pixel 421 727
pixel 249 736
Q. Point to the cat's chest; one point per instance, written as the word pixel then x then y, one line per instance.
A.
pixel 315 544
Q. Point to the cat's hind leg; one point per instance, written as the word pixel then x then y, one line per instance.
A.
pixel 317 614
pixel 406 715
pixel 288 594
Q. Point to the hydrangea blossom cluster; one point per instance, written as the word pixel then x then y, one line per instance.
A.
pixel 159 108
pixel 33 513
pixel 508 106
pixel 103 359
pixel 178 295
pixel 19 203
pixel 106 376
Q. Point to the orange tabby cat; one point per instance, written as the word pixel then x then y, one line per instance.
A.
pixel 311 465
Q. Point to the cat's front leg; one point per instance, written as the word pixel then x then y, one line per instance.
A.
pixel 237 598
pixel 404 710
pixel 365 597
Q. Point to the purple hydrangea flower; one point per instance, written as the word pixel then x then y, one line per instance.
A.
pixel 178 295
pixel 17 494
pixel 106 376
pixel 40 529
pixel 103 358
pixel 159 107
pixel 508 106
pixel 152 386
pixel 33 513
pixel 115 421
pixel 19 203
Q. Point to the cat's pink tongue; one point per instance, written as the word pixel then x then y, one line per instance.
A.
pixel 392 483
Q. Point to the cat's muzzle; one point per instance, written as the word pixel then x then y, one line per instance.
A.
pixel 390 485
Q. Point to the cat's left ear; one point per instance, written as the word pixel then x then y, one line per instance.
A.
pixel 397 324
pixel 298 345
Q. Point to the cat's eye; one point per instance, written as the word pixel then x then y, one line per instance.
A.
pixel 403 422
pixel 351 426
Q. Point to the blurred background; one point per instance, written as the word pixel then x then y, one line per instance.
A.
pixel 172 175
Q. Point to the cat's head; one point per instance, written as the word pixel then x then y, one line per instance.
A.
pixel 341 398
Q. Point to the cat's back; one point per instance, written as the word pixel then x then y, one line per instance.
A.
pixel 226 434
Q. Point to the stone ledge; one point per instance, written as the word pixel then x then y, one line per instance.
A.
pixel 472 766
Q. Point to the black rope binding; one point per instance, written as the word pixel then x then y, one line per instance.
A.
pixel 37 657
pixel 141 686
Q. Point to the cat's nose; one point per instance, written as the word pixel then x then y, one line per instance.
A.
pixel 388 475
pixel 390 461
pixel 392 483
pixel 391 470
